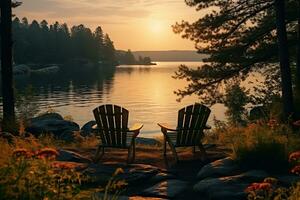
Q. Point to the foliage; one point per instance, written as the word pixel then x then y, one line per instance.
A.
pixel 41 43
pixel 239 36
pixel 113 188
pixel 259 145
pixel 33 175
pixel 269 189
pixel 235 101
pixel 127 58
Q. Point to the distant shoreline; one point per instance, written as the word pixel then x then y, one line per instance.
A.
pixel 172 56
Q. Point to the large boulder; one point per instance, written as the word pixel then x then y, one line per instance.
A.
pixel 166 189
pixel 21 69
pixel 86 129
pixel 228 187
pixel 47 70
pixel 50 123
pixel 222 167
pixel 70 156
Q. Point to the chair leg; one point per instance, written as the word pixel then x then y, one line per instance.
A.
pixel 203 152
pixel 129 154
pixel 165 147
pixel 99 155
pixel 194 149
pixel 133 152
pixel 174 151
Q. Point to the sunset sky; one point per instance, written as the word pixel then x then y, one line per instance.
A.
pixel 131 24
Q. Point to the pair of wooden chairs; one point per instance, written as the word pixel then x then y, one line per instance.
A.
pixel 112 127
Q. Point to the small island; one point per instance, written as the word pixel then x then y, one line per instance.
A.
pixel 127 58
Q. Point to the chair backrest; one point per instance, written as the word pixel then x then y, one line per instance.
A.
pixel 191 122
pixel 112 121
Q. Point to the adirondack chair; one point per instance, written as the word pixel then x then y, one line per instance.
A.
pixel 112 127
pixel 189 132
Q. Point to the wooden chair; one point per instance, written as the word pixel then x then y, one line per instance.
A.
pixel 189 132
pixel 112 127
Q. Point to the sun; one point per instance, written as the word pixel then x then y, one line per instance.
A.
pixel 156 26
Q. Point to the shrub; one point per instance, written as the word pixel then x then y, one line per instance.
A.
pixel 34 175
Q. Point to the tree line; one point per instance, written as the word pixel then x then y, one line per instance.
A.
pixel 43 43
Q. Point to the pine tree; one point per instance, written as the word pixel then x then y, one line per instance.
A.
pixel 239 36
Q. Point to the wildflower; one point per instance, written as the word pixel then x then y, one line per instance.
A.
pixel 273 123
pixel 63 165
pixel 270 180
pixel 47 153
pixel 296 123
pixel 252 187
pixel 265 186
pixel 21 152
pixel 294 156
pixel 258 186
pixel 296 170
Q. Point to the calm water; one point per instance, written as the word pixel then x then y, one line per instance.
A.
pixel 146 91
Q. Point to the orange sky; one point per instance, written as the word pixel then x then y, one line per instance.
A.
pixel 131 24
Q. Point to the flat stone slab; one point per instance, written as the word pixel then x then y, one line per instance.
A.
pixel 101 195
pixel 66 155
pixel 222 167
pixel 166 189
pixel 229 187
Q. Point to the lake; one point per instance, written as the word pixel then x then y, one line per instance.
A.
pixel 146 91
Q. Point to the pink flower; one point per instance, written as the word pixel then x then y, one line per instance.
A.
pixel 294 156
pixel 296 170
pixel 296 123
pixel 47 153
pixel 21 152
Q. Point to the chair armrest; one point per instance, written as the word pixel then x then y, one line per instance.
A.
pixel 166 126
pixel 207 127
pixel 136 127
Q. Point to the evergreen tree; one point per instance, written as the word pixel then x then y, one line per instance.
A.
pixel 6 65
pixel 240 37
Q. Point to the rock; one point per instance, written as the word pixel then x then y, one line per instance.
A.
pixel 67 136
pixel 161 177
pixel 222 167
pixel 86 129
pixel 228 187
pixel 287 180
pixel 99 195
pixel 47 70
pixel 47 116
pixel 166 189
pixel 51 123
pixel 21 69
pixel 70 156
pixel 147 141
pixel 133 174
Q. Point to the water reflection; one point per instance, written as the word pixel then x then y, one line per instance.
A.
pixel 146 91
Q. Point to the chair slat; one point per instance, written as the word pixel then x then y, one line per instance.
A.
pixel 180 124
pixel 124 124
pixel 186 126
pixel 117 112
pixel 102 112
pixel 111 124
pixel 100 125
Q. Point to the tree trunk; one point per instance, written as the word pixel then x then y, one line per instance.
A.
pixel 286 80
pixel 6 66
pixel 298 50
